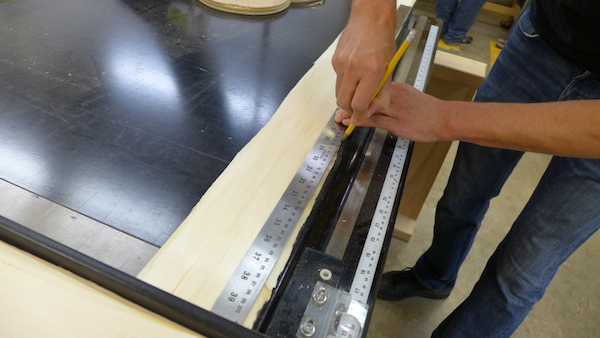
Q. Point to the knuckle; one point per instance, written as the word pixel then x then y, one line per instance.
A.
pixel 358 107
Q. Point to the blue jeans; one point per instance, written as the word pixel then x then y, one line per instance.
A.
pixel 458 17
pixel 562 213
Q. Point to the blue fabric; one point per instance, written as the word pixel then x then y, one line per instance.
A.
pixel 562 213
pixel 458 17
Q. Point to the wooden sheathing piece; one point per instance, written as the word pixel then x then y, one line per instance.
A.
pixel 40 299
pixel 200 257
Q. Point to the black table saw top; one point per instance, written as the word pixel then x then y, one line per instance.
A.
pixel 127 110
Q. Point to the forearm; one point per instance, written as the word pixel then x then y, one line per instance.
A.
pixel 559 128
pixel 379 12
pixel 567 128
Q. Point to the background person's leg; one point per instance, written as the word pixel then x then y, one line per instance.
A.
pixel 462 20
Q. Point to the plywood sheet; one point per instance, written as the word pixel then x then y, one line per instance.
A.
pixel 39 299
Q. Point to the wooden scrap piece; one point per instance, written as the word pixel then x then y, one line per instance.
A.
pixel 248 7
pixel 40 299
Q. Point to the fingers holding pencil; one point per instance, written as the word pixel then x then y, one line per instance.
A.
pixel 390 68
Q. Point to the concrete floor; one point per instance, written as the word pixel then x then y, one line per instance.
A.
pixel 571 305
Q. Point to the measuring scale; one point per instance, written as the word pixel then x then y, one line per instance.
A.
pixel 243 288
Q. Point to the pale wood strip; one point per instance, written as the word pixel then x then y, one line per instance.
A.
pixel 39 299
pixel 425 162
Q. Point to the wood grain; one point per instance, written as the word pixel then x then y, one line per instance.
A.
pixel 201 256
pixel 40 299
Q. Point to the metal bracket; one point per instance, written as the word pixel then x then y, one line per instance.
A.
pixel 327 316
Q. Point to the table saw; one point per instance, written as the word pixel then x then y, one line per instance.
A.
pixel 329 281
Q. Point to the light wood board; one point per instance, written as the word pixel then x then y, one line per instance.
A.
pixel 254 7
pixel 200 257
pixel 425 162
pixel 248 7
pixel 39 299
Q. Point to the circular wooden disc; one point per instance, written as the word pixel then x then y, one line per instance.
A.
pixel 248 7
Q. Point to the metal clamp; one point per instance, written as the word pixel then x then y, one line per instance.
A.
pixel 326 315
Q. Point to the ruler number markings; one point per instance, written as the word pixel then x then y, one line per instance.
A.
pixel 363 279
pixel 243 288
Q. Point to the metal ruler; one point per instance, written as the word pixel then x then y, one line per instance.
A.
pixel 245 285
pixel 426 59
pixel 365 271
pixel 243 288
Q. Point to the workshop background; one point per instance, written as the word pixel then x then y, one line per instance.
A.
pixel 117 115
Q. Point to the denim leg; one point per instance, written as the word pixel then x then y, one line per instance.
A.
pixel 562 214
pixel 462 18
pixel 443 11
pixel 477 176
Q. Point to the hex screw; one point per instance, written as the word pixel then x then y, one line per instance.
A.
pixel 320 296
pixel 308 328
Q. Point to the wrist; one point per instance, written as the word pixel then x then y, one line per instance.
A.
pixel 470 122
pixel 382 12
pixel 451 125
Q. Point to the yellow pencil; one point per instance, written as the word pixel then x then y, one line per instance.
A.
pixel 388 70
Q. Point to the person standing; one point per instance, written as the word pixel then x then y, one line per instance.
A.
pixel 458 17
pixel 541 95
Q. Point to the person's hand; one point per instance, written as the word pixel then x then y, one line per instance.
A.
pixel 365 48
pixel 411 114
